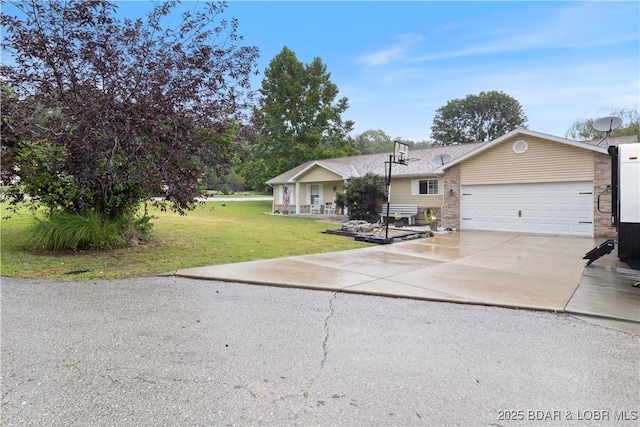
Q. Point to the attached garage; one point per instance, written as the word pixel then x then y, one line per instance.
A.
pixel 552 208
pixel 529 182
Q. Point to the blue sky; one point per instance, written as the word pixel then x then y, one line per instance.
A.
pixel 398 62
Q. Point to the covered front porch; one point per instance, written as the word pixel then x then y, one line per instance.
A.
pixel 308 198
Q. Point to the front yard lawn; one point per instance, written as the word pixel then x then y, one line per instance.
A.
pixel 214 233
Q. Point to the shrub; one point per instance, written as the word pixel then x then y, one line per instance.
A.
pixel 362 197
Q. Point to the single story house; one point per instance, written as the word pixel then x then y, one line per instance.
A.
pixel 524 181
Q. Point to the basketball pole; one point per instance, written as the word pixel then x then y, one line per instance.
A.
pixel 402 150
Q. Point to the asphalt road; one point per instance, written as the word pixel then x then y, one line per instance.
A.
pixel 170 351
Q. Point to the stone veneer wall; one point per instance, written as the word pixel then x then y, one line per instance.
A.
pixel 602 177
pixel 304 209
pixel 451 204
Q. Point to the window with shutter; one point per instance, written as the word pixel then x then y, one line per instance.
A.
pixel 425 187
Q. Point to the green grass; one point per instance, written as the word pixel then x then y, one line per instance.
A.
pixel 211 234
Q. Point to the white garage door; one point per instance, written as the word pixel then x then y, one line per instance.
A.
pixel 550 208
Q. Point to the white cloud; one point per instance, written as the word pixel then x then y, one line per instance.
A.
pixel 392 54
pixel 553 95
pixel 577 26
pixel 561 66
pixel 381 57
pixel 562 63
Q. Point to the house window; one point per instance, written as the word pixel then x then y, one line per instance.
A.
pixel 315 194
pixel 428 186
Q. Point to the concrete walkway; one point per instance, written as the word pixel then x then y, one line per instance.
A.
pixel 500 269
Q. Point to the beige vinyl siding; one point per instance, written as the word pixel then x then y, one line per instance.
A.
pixel 318 174
pixel 329 194
pixel 544 161
pixel 401 193
pixel 326 179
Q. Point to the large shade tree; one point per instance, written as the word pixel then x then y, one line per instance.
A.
pixel 373 141
pixel 101 112
pixel 377 141
pixel 298 118
pixel 477 118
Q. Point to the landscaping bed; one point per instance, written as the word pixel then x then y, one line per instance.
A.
pixel 376 233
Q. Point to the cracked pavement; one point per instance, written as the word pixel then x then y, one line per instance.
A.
pixel 174 351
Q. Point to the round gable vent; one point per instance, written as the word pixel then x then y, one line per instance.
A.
pixel 520 146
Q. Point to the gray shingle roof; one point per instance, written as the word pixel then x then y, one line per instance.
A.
pixel 421 163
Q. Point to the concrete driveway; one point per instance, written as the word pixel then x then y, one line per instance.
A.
pixel 540 272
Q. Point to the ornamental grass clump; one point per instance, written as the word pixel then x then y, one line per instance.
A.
pixel 64 231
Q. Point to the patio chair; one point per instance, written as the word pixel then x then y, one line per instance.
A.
pixel 316 209
pixel 330 209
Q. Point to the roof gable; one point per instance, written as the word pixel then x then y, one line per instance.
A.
pixel 318 163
